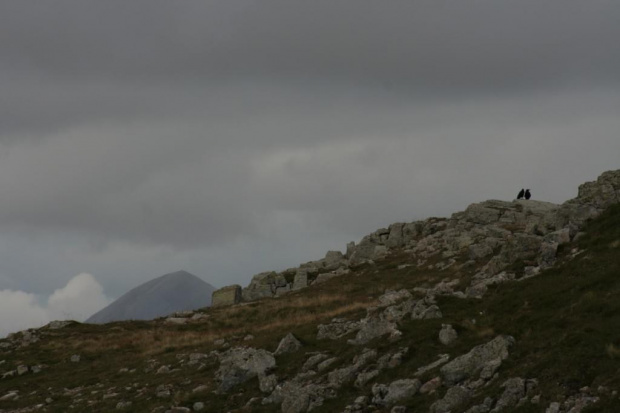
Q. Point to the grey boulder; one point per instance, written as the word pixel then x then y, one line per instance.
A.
pixel 399 390
pixel 239 365
pixel 289 344
pixel 467 365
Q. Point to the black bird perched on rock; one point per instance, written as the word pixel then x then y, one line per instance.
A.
pixel 521 193
pixel 527 194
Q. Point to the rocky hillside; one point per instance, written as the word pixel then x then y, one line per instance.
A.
pixel 506 306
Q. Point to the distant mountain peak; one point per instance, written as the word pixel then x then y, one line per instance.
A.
pixel 176 291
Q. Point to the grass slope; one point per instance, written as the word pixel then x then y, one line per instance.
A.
pixel 566 322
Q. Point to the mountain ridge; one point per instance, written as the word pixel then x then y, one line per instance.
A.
pixel 539 229
pixel 169 293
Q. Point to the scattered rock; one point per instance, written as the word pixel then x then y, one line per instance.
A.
pixel 163 391
pixel 454 397
pixel 363 378
pixel 195 358
pixel 447 334
pixel 163 370
pixel 484 407
pixel 183 314
pixel 469 364
pixel 391 360
pixel 178 409
pixel 443 359
pixel 426 309
pixel 12 395
pixel 239 365
pixel 347 374
pixel 324 365
pixel 514 391
pixel 299 398
pixel 373 327
pixel 358 406
pixel 339 327
pixel 57 324
pixel 431 386
pixel 289 344
pixel 399 390
pixel 391 297
pixel 267 383
pixel 200 389
pixel 313 361
pixel 123 405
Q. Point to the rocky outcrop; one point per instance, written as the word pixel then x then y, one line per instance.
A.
pixel 305 392
pixel 301 279
pixel 495 233
pixel 226 296
pixel 274 284
pixel 382 319
pixel 592 199
pixel 239 365
pixel 468 365
pixel 265 284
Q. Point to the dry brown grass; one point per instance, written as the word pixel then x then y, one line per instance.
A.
pixel 269 315
pixel 144 341
pixel 300 318
pixel 336 298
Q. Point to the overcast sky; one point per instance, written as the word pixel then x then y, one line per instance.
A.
pixel 231 137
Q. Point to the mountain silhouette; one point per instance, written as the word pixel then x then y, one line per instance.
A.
pixel 177 291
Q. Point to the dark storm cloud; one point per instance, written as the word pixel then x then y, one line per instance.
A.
pixel 71 62
pixel 438 44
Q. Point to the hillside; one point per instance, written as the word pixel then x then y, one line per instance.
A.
pixel 177 291
pixel 507 306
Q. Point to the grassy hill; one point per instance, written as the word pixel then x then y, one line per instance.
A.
pixel 566 323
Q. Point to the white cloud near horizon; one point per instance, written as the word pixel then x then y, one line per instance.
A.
pixel 78 300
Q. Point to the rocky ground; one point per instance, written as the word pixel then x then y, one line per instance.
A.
pixel 506 306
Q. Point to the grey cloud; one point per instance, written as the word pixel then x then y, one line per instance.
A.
pixel 231 137
pixel 428 44
pixel 191 181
